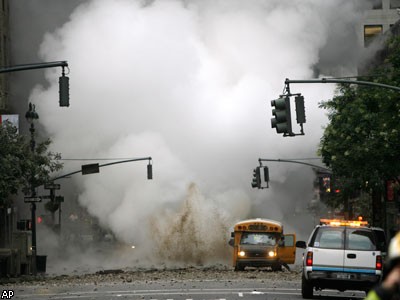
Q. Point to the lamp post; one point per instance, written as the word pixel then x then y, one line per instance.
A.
pixel 31 116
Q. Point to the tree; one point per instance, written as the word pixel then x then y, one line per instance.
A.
pixel 19 167
pixel 361 144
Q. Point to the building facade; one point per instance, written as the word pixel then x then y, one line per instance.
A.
pixel 383 15
pixel 4 54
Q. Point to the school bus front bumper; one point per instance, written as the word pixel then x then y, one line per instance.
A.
pixel 257 258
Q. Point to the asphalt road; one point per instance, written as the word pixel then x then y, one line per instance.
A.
pixel 173 289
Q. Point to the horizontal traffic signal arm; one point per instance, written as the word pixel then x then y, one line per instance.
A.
pixel 295 162
pixel 333 80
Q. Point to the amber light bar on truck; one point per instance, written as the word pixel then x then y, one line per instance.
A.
pixel 338 222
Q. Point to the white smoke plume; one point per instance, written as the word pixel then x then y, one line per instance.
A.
pixel 188 83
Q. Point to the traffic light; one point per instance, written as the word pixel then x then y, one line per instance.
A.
pixel 24 225
pixel 300 110
pixel 325 184
pixel 282 119
pixel 256 183
pixel 149 171
pixel 64 90
pixel 266 174
pixel 328 185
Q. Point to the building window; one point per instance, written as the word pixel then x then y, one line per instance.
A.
pixel 394 3
pixel 377 4
pixel 4 49
pixel 370 32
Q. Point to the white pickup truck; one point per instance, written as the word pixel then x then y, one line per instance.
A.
pixel 340 255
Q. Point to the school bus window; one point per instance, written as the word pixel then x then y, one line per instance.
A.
pixel 258 227
pixel 258 238
pixel 289 241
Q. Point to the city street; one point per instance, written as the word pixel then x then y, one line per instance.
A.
pixel 189 149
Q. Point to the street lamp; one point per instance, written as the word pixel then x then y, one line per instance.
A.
pixel 31 116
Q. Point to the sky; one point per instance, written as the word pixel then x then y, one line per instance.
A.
pixel 189 84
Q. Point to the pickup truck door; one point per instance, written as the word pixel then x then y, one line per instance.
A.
pixel 328 250
pixel 360 254
pixel 287 253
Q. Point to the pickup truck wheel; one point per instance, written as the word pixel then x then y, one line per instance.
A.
pixel 306 288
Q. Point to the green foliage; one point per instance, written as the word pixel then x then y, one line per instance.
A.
pixel 19 166
pixel 361 144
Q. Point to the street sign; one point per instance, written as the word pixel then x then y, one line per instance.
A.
pixel 45 197
pixel 90 169
pixel 52 186
pixel 32 199
pixel 59 199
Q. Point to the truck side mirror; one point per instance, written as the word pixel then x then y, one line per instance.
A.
pixel 231 242
pixel 301 244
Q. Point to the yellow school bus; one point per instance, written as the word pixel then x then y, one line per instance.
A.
pixel 262 243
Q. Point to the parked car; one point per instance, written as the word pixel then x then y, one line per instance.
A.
pixel 341 255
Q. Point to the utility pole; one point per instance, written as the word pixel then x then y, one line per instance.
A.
pixel 31 116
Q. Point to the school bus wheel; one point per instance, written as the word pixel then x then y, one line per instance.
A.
pixel 239 267
pixel 277 267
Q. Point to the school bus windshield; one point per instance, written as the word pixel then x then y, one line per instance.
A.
pixel 259 238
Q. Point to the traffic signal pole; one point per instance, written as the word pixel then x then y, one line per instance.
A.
pixel 256 182
pixel 282 114
pixel 63 80
pixel 333 80
pixel 260 160
pixel 33 66
pixel 149 168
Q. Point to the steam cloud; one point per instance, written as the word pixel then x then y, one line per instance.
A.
pixel 188 83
